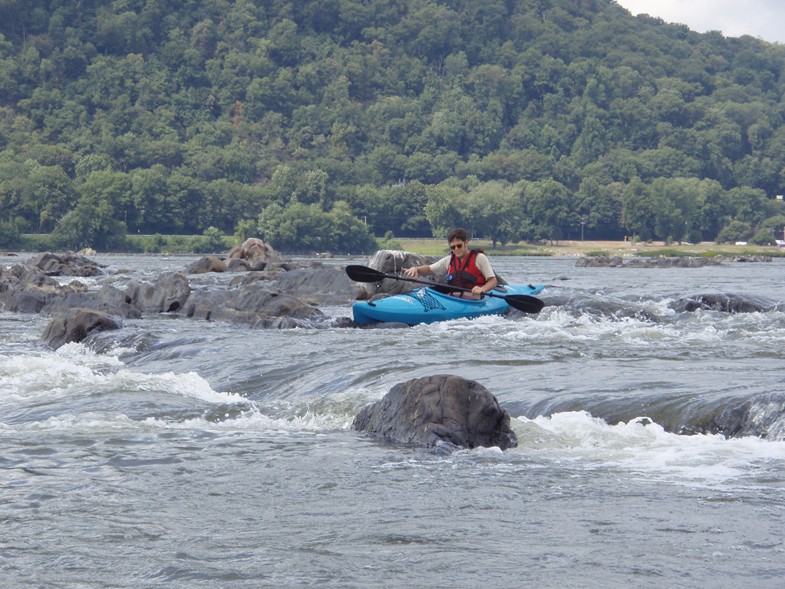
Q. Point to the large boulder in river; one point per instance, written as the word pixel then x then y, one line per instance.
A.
pixel 445 412
pixel 256 253
pixel 252 304
pixel 167 294
pixel 207 264
pixel 392 262
pixel 27 289
pixel 76 324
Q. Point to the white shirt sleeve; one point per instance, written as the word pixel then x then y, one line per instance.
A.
pixel 440 268
pixel 484 266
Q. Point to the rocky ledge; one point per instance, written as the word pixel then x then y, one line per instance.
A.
pixel 663 262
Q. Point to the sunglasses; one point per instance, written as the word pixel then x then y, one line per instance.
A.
pixel 457 246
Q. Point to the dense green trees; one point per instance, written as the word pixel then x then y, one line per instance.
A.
pixel 320 124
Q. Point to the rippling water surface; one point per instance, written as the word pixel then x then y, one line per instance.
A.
pixel 179 453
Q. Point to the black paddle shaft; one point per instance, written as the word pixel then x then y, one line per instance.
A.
pixel 525 303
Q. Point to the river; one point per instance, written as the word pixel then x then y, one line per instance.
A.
pixel 182 453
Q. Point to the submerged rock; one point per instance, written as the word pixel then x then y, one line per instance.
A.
pixel 727 303
pixel 762 417
pixel 445 412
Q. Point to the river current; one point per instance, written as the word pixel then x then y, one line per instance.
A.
pixel 182 453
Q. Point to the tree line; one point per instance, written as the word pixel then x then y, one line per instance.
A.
pixel 320 125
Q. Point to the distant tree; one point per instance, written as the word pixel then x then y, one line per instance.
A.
pixel 763 237
pixel 447 208
pixel 91 223
pixel 301 227
pixel 10 236
pixel 735 231
pixel 495 211
pixel 211 241
pixel 546 207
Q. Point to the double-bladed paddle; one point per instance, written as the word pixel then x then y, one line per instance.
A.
pixel 525 303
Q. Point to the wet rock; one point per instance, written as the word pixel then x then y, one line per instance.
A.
pixel 68 264
pixel 283 295
pixel 443 411
pixel 76 324
pixel 764 417
pixel 253 305
pixel 650 262
pixel 238 265
pixel 663 261
pixel 256 253
pixel 599 262
pixel 77 286
pixel 27 289
pixel 167 294
pixel 727 303
pixel 392 262
pixel 207 264
pixel 326 285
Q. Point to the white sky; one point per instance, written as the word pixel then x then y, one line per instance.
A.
pixel 760 18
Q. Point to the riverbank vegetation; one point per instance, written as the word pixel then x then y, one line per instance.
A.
pixel 322 126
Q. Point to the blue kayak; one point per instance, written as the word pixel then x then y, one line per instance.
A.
pixel 426 305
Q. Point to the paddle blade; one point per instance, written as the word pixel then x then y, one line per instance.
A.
pixel 525 303
pixel 364 274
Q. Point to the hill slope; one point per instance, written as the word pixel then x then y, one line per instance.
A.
pixel 519 119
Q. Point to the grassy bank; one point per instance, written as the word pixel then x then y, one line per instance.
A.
pixel 187 244
pixel 438 247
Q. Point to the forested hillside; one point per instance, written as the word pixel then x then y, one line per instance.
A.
pixel 318 124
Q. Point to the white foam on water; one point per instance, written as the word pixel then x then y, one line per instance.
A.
pixel 73 380
pixel 74 369
pixel 644 448
pixel 250 420
pixel 49 374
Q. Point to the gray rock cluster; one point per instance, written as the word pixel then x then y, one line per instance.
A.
pixel 268 292
pixel 663 262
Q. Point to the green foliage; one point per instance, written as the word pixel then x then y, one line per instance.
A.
pixel 10 236
pixel 538 120
pixel 210 242
pixel 244 229
pixel 300 227
pixel 735 231
pixel 388 242
pixel 763 237
pixel 90 224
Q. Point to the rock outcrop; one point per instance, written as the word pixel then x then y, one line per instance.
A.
pixel 724 302
pixel 392 262
pixel 663 261
pixel 443 412
pixel 76 324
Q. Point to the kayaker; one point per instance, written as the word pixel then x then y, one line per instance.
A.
pixel 463 267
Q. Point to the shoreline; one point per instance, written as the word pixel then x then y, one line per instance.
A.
pixel 577 248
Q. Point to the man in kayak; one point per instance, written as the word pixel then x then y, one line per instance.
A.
pixel 463 267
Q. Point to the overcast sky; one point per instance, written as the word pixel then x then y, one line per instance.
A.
pixel 759 18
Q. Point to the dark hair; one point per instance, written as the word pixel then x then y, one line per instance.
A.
pixel 458 233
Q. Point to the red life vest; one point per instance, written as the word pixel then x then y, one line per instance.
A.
pixel 465 273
